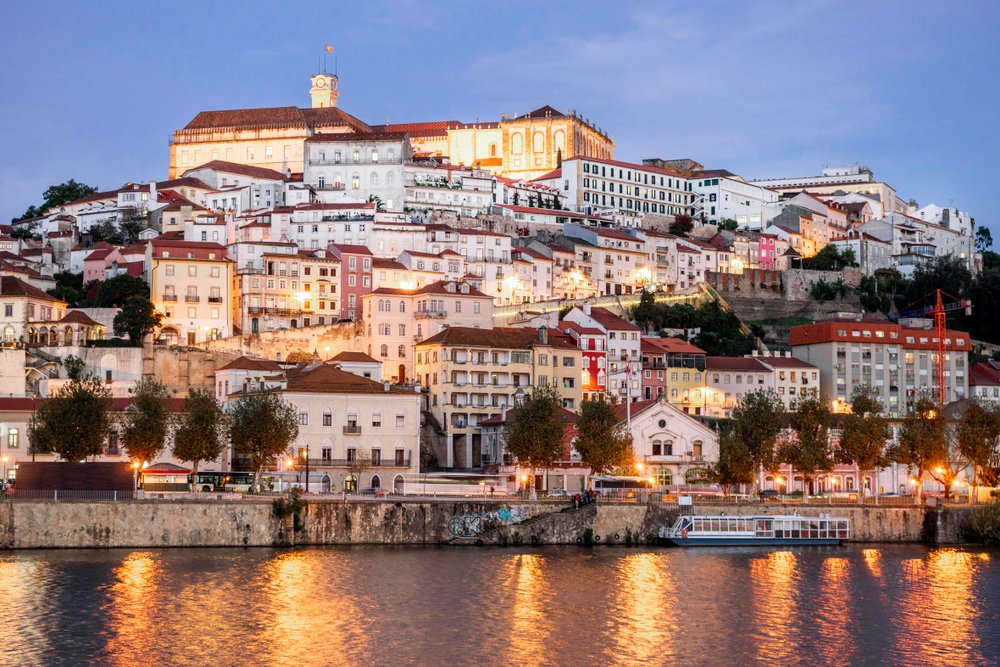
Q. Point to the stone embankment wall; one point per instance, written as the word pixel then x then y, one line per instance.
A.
pixel 29 524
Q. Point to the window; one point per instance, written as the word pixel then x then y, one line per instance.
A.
pixel 402 352
pixel 303 418
pixel 384 351
pixel 169 271
pixel 376 418
pixel 327 417
pixel 12 435
pixel 400 420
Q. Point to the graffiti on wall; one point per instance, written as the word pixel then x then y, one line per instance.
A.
pixel 474 524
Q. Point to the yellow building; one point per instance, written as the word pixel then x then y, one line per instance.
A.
pixel 520 147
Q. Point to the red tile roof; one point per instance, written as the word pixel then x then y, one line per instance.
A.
pixel 670 346
pixel 357 136
pixel 241 169
pixel 785 362
pixel 329 379
pixel 506 338
pixel 436 128
pixel 354 357
pixel 251 364
pixel 984 373
pixel 13 286
pixel 609 320
pixel 750 364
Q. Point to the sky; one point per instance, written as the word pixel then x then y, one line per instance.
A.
pixel 93 90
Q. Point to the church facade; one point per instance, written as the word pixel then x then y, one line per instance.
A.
pixel 520 147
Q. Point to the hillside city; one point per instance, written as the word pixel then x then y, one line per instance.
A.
pixel 407 287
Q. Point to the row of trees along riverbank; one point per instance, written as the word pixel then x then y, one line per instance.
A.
pixel 76 422
pixel 762 436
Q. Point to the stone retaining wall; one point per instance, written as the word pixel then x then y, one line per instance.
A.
pixel 30 524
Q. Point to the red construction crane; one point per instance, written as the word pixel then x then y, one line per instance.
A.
pixel 940 311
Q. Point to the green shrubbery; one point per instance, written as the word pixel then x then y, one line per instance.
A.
pixel 984 523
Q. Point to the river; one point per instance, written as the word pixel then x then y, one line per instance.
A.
pixel 854 605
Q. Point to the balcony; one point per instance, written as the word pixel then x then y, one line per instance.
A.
pixel 352 429
pixel 192 298
pixel 215 299
pixel 430 314
pixel 388 462
pixel 250 270
pixel 170 297
pixel 281 312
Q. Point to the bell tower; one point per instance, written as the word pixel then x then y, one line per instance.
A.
pixel 324 91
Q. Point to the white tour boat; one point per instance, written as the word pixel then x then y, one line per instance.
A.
pixel 777 530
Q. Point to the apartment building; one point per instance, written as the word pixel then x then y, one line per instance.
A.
pixel 615 260
pixel 719 194
pixel 469 375
pixel 595 185
pixel 191 283
pixel 358 165
pixel 899 362
pixel 398 318
pixel 984 382
pixel 674 370
pixel 594 358
pixel 622 341
pixel 355 277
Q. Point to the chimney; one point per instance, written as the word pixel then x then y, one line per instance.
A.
pixel 586 309
pixel 543 335
pixel 152 191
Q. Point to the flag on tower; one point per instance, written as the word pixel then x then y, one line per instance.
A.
pixel 329 49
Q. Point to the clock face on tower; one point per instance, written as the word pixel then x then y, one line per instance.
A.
pixel 320 83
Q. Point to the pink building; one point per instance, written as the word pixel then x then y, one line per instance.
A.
pixel 594 361
pixel 767 251
pixel 355 277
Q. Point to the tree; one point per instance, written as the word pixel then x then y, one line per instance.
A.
pixel 75 367
pixel 361 463
pixel 920 440
pixel 984 239
pixel 534 430
pixel 865 433
pixel 26 231
pixel 114 292
pixel 681 225
pixel 978 438
pixel 830 259
pixel 69 287
pixel 809 451
pixel 146 421
pixel 645 313
pixel 198 436
pixel 56 195
pixel 74 423
pixel 756 422
pixel 379 204
pixel 136 319
pixel 728 224
pixel 261 428
pixel 734 465
pixel 602 440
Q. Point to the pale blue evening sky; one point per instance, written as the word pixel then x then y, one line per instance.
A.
pixel 93 90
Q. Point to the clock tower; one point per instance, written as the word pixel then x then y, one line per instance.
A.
pixel 324 90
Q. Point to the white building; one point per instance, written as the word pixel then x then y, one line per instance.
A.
pixel 720 194
pixel 353 167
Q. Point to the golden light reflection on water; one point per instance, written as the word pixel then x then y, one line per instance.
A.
pixel 938 609
pixel 131 621
pixel 530 622
pixel 832 612
pixel 302 621
pixel 774 607
pixel 873 559
pixel 645 620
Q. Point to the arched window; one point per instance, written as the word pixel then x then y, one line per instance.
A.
pixel 303 417
pixel 559 140
pixel 402 306
pixel 516 143
pixel 351 484
pixel 374 179
pixel 374 155
pixel 538 142
pixel 493 150
pixel 696 449
pixel 384 351
pixel 390 178
pixel 327 417
pixel 402 329
pixel 355 181
pixel 376 482
pixel 397 484
pixel 657 447
pixel 402 352
pixel 668 448
pixel 376 418
pixel 664 477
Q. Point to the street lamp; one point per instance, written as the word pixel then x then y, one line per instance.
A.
pixel 305 455
pixel 524 482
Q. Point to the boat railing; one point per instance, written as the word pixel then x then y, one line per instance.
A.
pixel 777 527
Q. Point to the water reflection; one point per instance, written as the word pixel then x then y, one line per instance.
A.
pixel 892 605
pixel 132 604
pixel 836 644
pixel 774 607
pixel 645 622
pixel 529 622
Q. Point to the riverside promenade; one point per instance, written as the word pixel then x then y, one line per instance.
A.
pixel 189 522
